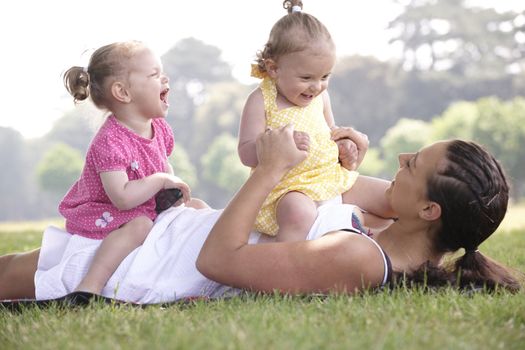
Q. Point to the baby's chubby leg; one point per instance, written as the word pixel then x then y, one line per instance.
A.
pixel 113 250
pixel 296 213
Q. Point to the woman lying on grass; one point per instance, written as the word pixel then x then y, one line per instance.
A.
pixel 447 196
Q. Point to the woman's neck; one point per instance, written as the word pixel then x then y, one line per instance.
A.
pixel 408 245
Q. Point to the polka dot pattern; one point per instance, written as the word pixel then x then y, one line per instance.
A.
pixel 86 207
pixel 319 176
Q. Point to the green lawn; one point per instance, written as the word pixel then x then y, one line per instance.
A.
pixel 400 319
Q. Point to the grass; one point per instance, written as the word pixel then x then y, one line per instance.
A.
pixel 399 319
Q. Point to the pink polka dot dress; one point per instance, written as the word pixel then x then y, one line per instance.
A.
pixel 86 207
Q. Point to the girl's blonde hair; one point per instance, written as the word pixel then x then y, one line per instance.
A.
pixel 106 64
pixel 292 33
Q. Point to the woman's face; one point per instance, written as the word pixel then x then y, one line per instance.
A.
pixel 408 191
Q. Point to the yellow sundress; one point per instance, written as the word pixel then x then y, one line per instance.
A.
pixel 320 176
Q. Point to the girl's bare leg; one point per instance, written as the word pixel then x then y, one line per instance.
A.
pixel 296 213
pixel 197 203
pixel 17 275
pixel 113 250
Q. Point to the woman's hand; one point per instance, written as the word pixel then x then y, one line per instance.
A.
pixel 277 151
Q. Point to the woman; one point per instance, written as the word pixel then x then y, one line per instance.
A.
pixel 448 196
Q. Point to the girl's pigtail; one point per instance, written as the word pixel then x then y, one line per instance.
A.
pixel 76 81
pixel 293 6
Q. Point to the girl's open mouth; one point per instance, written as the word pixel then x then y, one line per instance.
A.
pixel 164 96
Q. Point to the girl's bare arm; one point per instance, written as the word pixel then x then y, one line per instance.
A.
pixel 253 123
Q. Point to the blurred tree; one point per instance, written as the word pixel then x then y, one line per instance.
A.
pixel 191 59
pixel 452 35
pixel 501 128
pixel 496 124
pixel 77 127
pixel 406 136
pixel 366 94
pixel 372 164
pixel 458 121
pixel 220 114
pixel 60 166
pixel 223 169
pixel 191 65
pixel 14 175
pixel 182 166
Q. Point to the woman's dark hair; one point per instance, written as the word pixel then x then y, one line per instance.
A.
pixel 294 32
pixel 473 193
pixel 107 62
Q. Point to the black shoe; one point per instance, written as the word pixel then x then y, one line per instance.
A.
pixel 166 198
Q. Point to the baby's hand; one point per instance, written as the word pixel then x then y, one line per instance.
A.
pixel 348 153
pixel 302 140
pixel 359 140
pixel 175 182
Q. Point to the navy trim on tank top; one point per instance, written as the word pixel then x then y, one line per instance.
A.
pixel 359 229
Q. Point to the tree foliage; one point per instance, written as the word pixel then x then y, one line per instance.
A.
pixel 60 166
pixel 451 35
pixel 183 167
pixel 13 177
pixel 77 126
pixel 408 135
pixel 222 166
pixel 501 128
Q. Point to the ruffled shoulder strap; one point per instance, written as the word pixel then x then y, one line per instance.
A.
pixel 269 91
pixel 256 72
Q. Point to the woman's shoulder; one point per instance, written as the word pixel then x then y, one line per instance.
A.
pixel 356 256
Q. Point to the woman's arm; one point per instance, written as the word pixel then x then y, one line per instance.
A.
pixel 334 262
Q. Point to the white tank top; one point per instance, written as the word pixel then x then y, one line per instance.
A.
pixel 163 268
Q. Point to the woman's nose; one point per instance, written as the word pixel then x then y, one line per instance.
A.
pixel 402 158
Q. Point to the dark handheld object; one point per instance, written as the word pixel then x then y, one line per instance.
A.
pixel 166 198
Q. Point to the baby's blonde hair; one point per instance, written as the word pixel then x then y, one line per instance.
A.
pixel 106 64
pixel 292 33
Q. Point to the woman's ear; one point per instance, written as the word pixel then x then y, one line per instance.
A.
pixel 430 212
pixel 120 92
pixel 271 67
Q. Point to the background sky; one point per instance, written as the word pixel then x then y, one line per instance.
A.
pixel 41 39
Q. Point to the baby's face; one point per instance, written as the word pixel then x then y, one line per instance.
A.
pixel 302 76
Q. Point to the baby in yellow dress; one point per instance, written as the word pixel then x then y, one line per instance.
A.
pixel 295 66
